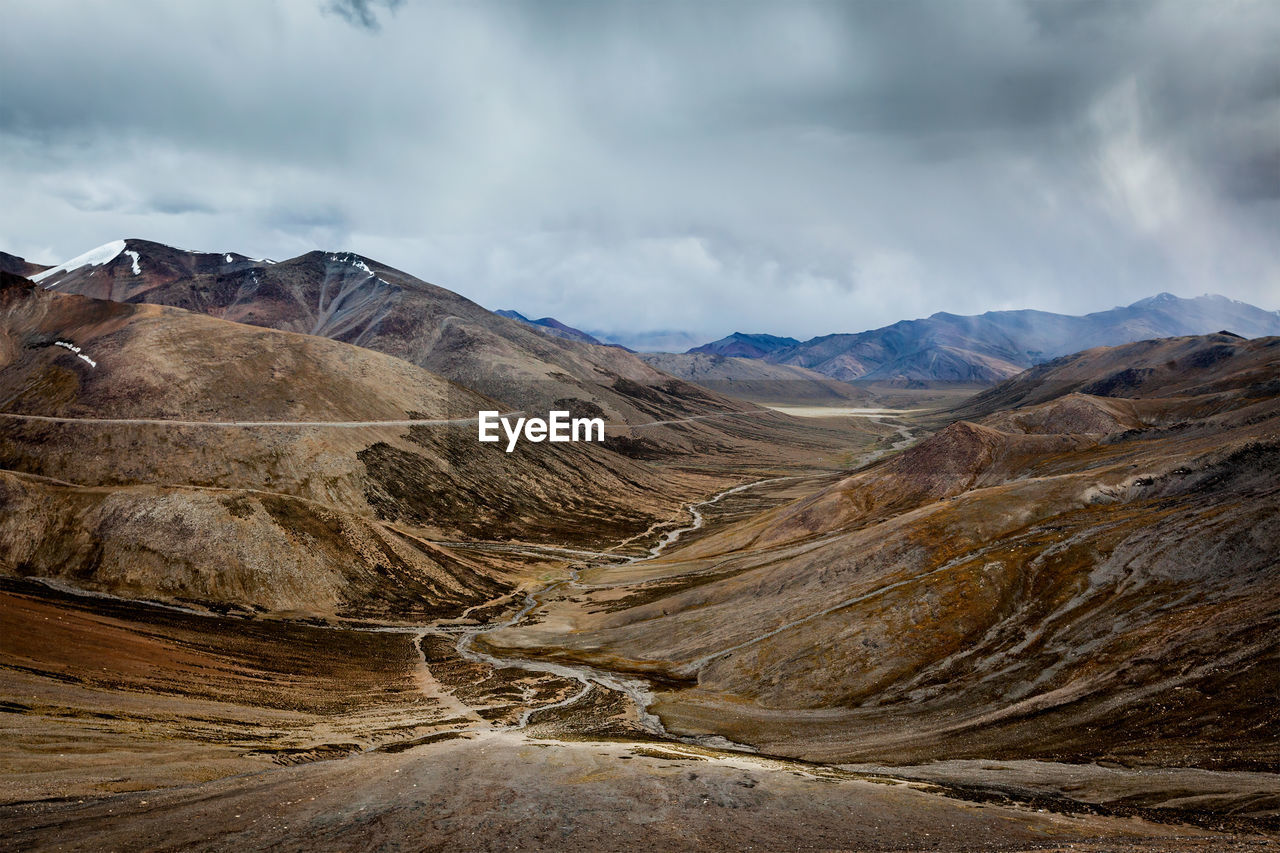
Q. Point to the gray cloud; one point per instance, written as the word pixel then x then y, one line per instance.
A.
pixel 797 168
pixel 362 13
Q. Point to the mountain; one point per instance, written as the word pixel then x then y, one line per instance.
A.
pixel 19 266
pixel 153 452
pixel 117 475
pixel 350 298
pixel 1081 569
pixel 357 300
pixel 551 326
pixel 757 380
pixel 994 346
pixel 1194 367
pixel 110 481
pixel 747 346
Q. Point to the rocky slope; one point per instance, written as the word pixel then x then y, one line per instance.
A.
pixel 1088 572
pixel 19 266
pixel 1220 369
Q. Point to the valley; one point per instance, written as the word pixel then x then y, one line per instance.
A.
pixel 261 581
pixel 420 717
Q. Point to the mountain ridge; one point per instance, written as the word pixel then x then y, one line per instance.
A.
pixel 20 266
pixel 358 300
pixel 551 326
pixel 355 299
pixel 993 346
pixel 944 347
pixel 744 345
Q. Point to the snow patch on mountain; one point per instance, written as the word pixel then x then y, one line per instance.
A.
pixel 351 260
pixel 137 270
pixel 75 349
pixel 104 254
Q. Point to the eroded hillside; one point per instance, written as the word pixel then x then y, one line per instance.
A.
pixel 1089 575
pixel 155 452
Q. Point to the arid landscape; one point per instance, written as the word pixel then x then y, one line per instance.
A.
pixel 263 588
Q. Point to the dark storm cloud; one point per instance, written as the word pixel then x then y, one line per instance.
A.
pixel 363 13
pixel 797 168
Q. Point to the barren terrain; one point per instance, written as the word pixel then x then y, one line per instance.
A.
pixel 263 589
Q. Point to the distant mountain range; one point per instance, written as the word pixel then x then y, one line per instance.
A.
pixel 756 379
pixel 980 349
pixel 998 344
pixel 359 300
pixel 551 326
pixel 660 341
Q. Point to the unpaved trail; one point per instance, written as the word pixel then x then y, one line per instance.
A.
pixel 245 424
pixel 411 422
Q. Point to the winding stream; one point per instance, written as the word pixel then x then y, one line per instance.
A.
pixel 635 688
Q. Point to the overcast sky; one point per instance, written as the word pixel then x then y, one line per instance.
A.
pixel 709 166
